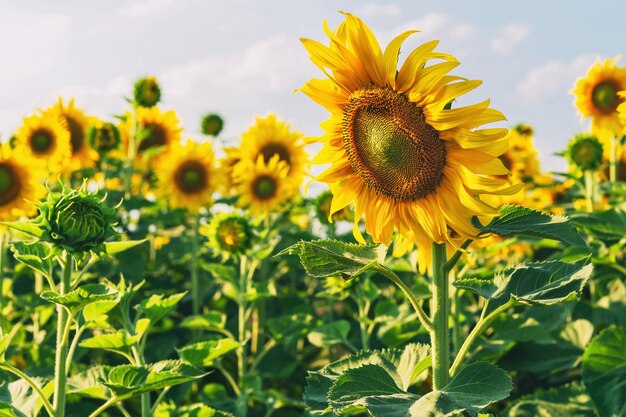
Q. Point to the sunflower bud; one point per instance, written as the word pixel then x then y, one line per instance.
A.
pixel 103 137
pixel 584 151
pixel 230 234
pixel 212 124
pixel 147 92
pixel 76 221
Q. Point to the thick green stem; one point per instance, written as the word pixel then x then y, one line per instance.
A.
pixel 2 250
pixel 481 326
pixel 195 284
pixel 613 158
pixel 589 190
pixel 241 334
pixel 440 312
pixel 60 375
pixel 132 153
pixel 421 315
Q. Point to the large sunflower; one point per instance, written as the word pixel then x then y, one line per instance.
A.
pixel 521 158
pixel 271 136
pixel 77 123
pixel 597 95
pixel 21 185
pixel 187 176
pixel 152 129
pixel 45 139
pixel 264 187
pixel 406 161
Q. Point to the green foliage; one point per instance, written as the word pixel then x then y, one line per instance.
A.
pixel 79 298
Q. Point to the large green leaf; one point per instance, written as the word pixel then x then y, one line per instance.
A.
pixel 604 371
pixel 371 387
pixel 18 399
pixel 36 255
pixel 205 353
pixel 25 227
pixel 130 380
pixel 88 383
pixel 402 367
pixel 82 296
pixel 207 321
pixel 542 283
pixel 609 225
pixel 518 220
pixel 324 258
pixel 472 389
pixel 171 409
pixel 157 306
pixel 118 342
pixel 566 401
pixel 113 248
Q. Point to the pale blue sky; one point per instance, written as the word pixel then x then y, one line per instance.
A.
pixel 242 57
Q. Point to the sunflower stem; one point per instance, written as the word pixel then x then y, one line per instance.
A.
pixel 2 250
pixel 613 158
pixel 195 284
pixel 589 190
pixel 60 375
pixel 440 311
pixel 241 357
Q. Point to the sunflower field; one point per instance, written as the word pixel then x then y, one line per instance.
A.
pixel 433 270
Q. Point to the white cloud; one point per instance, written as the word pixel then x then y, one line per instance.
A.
pixel 374 10
pixel 463 32
pixel 145 7
pixel 510 37
pixel 553 77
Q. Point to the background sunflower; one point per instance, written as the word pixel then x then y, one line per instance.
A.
pixel 46 139
pixel 21 184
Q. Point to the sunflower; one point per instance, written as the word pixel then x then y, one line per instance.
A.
pixel 270 136
pixel 77 123
pixel 227 167
pixel 521 158
pixel 103 137
pixel 322 208
pixel 597 95
pixel 45 139
pixel 20 184
pixel 187 176
pixel 585 152
pixel 211 124
pixel 153 131
pixel 264 187
pixel 398 153
pixel 229 234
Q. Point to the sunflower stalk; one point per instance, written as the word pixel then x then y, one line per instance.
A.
pixel 60 374
pixel 613 158
pixel 440 312
pixel 195 279
pixel 2 251
pixel 589 185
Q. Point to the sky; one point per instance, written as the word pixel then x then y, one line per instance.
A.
pixel 242 58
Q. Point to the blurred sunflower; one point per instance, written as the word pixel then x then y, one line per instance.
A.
pixel 45 139
pixel 187 176
pixel 269 136
pixel 585 152
pixel 77 124
pixel 146 92
pixel 264 187
pixel 322 209
pixel 229 234
pixel 21 185
pixel 227 167
pixel 103 137
pixel 397 151
pixel 597 95
pixel 156 129
pixel 521 158
pixel 211 124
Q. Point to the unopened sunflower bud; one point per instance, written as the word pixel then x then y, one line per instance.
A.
pixel 212 124
pixel 147 92
pixel 585 152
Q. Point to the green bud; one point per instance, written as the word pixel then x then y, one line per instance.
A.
pixel 76 220
pixel 212 124
pixel 585 152
pixel 103 137
pixel 230 234
pixel 147 92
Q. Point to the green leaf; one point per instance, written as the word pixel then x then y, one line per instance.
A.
pixel 609 225
pixel 113 248
pixel 518 220
pixel 206 321
pixel 27 227
pixel 36 255
pixel 324 258
pixel 472 389
pixel 156 307
pixel 88 383
pixel 371 387
pixel 118 342
pixel 126 379
pixel 330 334
pixel 171 409
pixel 604 371
pixel 82 296
pixel 542 283
pixel 18 399
pixel 566 401
pixel 205 353
pixel 98 309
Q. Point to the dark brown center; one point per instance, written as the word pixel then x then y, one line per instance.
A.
pixel 191 177
pixel 156 137
pixel 9 183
